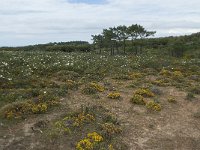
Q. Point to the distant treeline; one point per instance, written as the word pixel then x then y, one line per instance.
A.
pixel 72 46
pixel 176 46
pixel 133 39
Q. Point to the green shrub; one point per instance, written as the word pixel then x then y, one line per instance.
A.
pixel 195 90
pixel 190 96
pixel 197 114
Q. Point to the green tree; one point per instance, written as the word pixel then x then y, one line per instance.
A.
pixel 133 32
pixel 108 35
pixel 98 41
pixel 122 33
pixel 178 48
pixel 136 31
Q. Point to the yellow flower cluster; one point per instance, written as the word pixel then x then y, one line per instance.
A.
pixel 110 129
pixel 110 147
pixel 82 118
pixel 135 75
pixel 85 144
pixel 145 92
pixel 153 106
pixel 38 108
pixel 165 72
pixel 138 99
pixel 71 84
pixel 95 137
pixel 171 100
pixel 9 114
pixel 178 74
pixel 17 110
pixel 168 73
pixel 97 87
pixel 89 142
pixel 114 95
pixel 92 88
pixel 161 82
pixel 69 122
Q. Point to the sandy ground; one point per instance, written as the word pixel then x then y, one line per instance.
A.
pixel 173 128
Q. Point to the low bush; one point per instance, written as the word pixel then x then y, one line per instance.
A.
pixel 92 88
pixel 138 99
pixel 153 106
pixel 144 92
pixel 171 100
pixel 114 95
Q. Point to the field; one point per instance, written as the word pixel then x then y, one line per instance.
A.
pixel 88 101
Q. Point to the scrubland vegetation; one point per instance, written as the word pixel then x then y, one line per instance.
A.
pixel 145 96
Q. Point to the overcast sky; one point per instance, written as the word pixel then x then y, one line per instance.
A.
pixel 24 22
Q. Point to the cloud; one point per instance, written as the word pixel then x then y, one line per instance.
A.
pixel 28 22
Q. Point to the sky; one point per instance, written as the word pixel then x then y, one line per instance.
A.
pixel 25 22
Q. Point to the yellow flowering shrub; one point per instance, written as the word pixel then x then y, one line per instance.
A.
pixel 161 82
pixel 165 72
pixel 173 75
pixel 144 92
pixel 95 137
pixel 52 103
pixel 114 95
pixel 35 109
pixel 96 86
pixel 71 84
pixel 89 117
pixel 19 109
pixel 177 74
pixel 153 106
pixel 135 75
pixel 110 147
pixel 9 114
pixel 89 142
pixel 83 118
pixel 138 99
pixel 39 108
pixel 85 144
pixel 100 128
pixel 171 100
pixel 92 88
pixel 110 129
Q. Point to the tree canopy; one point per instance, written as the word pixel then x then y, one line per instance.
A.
pixel 120 35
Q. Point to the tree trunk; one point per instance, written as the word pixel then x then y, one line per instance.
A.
pixel 111 49
pixel 124 46
pixel 117 48
pixel 94 47
pixel 136 50
pixel 141 49
pixel 100 50
pixel 132 44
